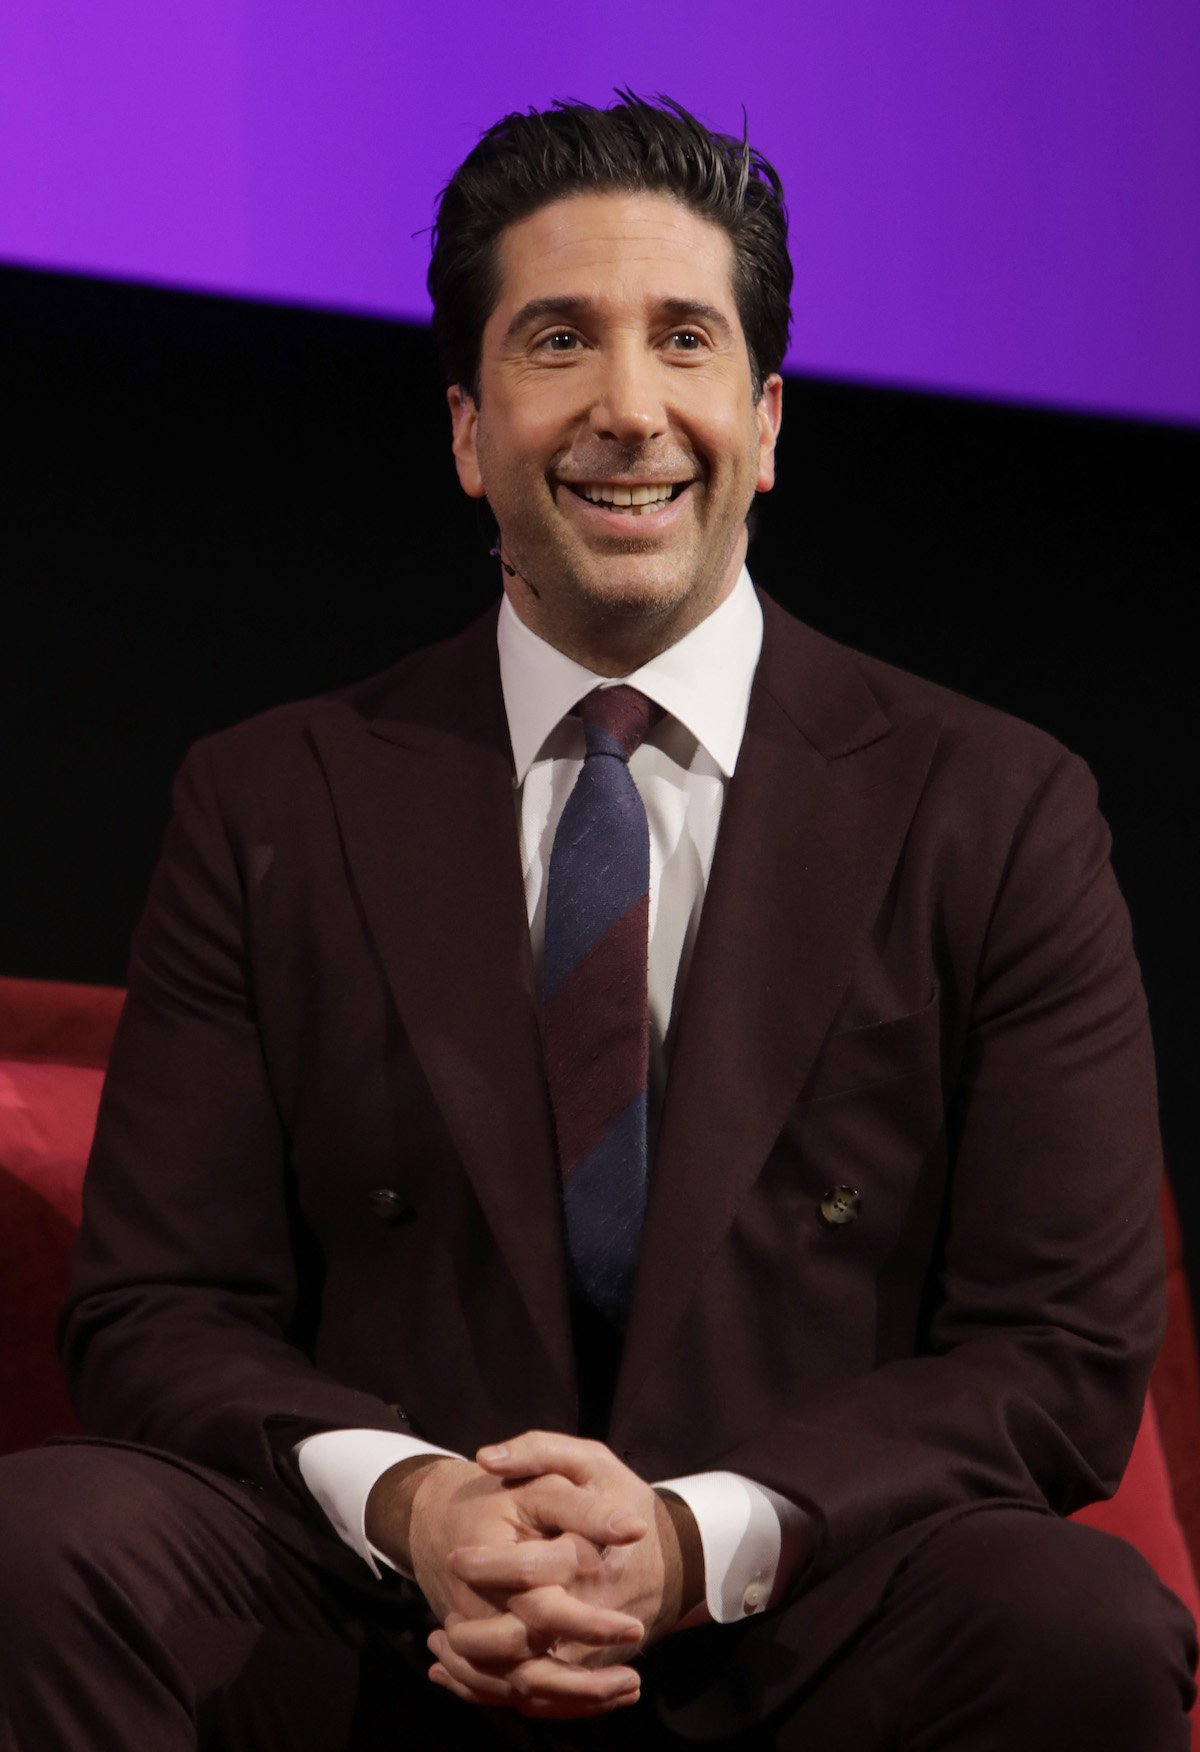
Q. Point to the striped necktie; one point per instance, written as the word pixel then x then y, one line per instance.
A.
pixel 594 994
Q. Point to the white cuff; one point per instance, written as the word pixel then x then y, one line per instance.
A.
pixel 340 1466
pixel 752 1539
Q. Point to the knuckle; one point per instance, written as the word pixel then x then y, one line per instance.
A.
pixel 538 1611
pixel 529 1568
pixel 517 1642
pixel 488 1650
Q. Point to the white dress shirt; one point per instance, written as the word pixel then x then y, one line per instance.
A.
pixel 752 1538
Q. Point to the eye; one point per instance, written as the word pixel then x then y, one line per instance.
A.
pixel 686 341
pixel 559 341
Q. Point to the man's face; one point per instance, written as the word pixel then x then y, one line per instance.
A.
pixel 614 367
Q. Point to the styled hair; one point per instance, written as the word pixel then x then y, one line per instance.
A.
pixel 528 160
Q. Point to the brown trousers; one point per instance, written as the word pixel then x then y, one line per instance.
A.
pixel 147 1604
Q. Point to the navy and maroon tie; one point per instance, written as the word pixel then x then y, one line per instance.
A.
pixel 595 1001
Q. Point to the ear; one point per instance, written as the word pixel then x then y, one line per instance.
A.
pixel 464 418
pixel 769 414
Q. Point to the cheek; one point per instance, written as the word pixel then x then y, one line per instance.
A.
pixel 738 461
pixel 518 439
pixel 725 432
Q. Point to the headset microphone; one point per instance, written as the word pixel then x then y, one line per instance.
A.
pixel 513 573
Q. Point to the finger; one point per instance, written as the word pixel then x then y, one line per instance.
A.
pixel 539 1681
pixel 505 1642
pixel 545 1680
pixel 571 1709
pixel 535 1708
pixel 553 1615
pixel 440 1677
pixel 486 1687
pixel 554 1504
pixel 547 1616
pixel 539 1451
pixel 530 1563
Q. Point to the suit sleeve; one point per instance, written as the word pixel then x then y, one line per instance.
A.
pixel 185 1321
pixel 1045 1300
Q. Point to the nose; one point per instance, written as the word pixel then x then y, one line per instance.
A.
pixel 628 408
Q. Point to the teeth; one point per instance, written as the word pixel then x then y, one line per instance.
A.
pixel 628 498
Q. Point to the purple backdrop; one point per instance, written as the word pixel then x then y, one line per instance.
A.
pixel 996 198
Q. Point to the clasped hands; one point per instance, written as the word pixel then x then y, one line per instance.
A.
pixel 549 1565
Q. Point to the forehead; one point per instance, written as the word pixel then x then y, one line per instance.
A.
pixel 611 247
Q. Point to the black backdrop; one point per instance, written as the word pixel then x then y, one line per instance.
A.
pixel 218 505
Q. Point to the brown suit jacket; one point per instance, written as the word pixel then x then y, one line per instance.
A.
pixel 324 1191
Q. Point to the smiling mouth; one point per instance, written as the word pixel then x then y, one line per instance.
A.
pixel 632 501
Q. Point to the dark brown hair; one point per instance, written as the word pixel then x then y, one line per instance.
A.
pixel 527 160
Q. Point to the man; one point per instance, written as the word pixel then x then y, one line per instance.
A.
pixel 638 1120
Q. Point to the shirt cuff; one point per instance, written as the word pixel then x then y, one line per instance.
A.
pixel 339 1468
pixel 753 1540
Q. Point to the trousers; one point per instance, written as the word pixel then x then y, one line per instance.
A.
pixel 147 1603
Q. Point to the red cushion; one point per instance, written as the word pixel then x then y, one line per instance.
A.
pixel 47 1116
pixel 1143 1512
pixel 54 1043
pixel 48 1019
pixel 1176 1387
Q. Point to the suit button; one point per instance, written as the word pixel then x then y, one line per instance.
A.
pixel 754 1597
pixel 840 1206
pixel 389 1205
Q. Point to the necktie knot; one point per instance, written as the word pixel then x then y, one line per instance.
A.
pixel 616 720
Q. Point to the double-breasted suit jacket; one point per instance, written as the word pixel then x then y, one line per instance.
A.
pixel 324 1190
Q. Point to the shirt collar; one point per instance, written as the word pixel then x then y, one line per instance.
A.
pixel 704 680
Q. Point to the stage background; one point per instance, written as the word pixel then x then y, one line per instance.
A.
pixel 995 199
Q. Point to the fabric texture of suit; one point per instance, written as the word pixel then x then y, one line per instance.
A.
pixel 913 977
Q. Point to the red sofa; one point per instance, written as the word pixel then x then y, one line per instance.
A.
pixel 54 1043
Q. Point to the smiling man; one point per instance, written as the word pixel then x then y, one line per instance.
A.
pixel 617 428
pixel 624 1208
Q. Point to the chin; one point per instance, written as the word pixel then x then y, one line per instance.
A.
pixel 635 591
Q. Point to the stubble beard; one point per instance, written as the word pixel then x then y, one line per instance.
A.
pixel 581 602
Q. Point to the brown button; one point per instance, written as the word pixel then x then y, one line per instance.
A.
pixel 840 1206
pixel 389 1205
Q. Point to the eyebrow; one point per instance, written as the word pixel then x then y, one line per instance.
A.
pixel 570 308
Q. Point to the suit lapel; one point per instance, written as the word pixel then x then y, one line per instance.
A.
pixel 424 797
pixel 812 826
